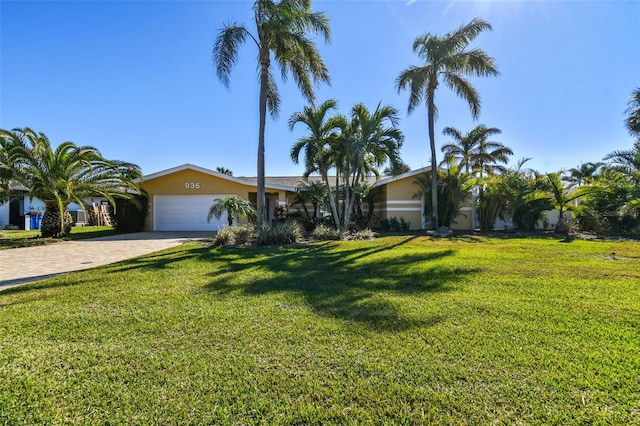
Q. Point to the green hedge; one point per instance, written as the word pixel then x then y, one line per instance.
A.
pixel 129 215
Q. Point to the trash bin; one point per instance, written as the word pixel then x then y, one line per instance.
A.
pixel 34 220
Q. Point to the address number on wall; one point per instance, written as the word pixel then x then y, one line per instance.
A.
pixel 192 185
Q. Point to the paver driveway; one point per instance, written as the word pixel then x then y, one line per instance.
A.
pixel 21 265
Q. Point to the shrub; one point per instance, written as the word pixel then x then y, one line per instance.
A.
pixel 244 234
pixel 130 215
pixel 229 236
pixel 288 232
pixel 225 237
pixel 323 233
pixel 306 223
pixel 361 235
pixel 394 224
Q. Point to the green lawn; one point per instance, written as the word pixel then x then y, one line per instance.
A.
pixel 13 239
pixel 399 330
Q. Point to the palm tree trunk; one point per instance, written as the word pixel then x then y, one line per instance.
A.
pixel 345 203
pixel 561 226
pixel 434 164
pixel 332 201
pixel 344 220
pixel 56 222
pixel 306 211
pixel 264 81
pixel 352 199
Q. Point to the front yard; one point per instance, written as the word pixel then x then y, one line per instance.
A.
pixel 399 330
pixel 14 239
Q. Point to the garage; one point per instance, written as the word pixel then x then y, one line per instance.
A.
pixel 185 213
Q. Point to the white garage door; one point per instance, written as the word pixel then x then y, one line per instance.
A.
pixel 185 213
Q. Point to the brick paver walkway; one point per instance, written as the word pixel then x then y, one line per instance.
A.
pixel 21 265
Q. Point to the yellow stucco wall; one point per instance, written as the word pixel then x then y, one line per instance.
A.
pixel 194 182
pixel 396 201
pixel 176 183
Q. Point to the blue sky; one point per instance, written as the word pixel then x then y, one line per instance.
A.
pixel 136 80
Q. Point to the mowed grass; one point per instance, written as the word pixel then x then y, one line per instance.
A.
pixel 399 330
pixel 21 238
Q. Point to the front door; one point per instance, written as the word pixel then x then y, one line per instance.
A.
pixel 16 212
pixel 270 205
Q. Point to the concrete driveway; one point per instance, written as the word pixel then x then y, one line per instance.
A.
pixel 22 265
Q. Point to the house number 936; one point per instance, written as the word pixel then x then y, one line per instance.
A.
pixel 192 185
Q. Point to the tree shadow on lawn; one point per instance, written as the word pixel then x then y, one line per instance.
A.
pixel 45 282
pixel 158 261
pixel 356 285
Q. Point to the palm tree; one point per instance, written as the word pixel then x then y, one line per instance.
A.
pixel 314 193
pixel 583 173
pixel 67 174
pixel 626 161
pixel 453 188
pixel 632 122
pixel 487 154
pixel 399 169
pixel 370 140
pixel 460 149
pixel 474 151
pixel 522 197
pixel 233 206
pixel 562 197
pixel 323 135
pixel 445 58
pixel 9 142
pixel 224 171
pixel 280 31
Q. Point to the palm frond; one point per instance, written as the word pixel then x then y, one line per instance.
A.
pixel 273 97
pixel 416 79
pixel 632 121
pixel 225 49
pixel 464 89
pixel 465 34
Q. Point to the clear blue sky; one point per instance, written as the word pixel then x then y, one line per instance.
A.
pixel 136 80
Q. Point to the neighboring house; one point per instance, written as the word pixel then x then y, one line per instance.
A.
pixel 4 215
pixel 18 213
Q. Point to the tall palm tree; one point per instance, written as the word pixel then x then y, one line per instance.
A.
pixel 324 133
pixel 280 34
pixel 632 122
pixel 233 206
pixel 370 140
pixel 445 59
pixel 66 174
